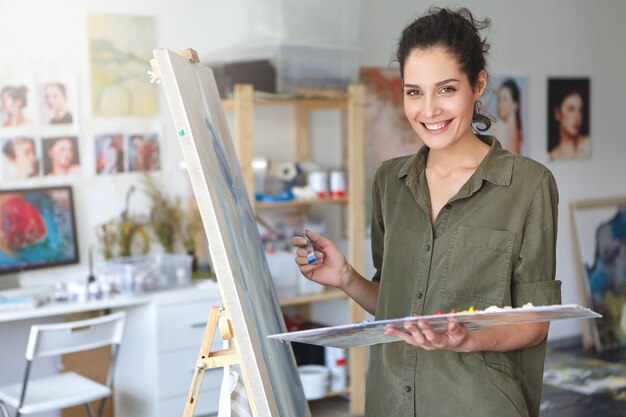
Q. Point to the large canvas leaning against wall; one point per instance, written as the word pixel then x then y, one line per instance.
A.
pixel 235 245
pixel 599 236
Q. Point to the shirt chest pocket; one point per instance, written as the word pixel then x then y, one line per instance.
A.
pixel 476 266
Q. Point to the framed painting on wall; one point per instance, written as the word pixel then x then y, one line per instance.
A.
pixel 388 133
pixel 119 47
pixel 599 237
pixel 569 121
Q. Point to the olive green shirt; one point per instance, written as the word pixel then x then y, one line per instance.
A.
pixel 492 244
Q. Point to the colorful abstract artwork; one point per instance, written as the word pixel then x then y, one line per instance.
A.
pixel 36 228
pixel 600 229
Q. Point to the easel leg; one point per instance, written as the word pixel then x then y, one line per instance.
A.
pixel 205 351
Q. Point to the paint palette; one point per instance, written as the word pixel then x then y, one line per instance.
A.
pixel 372 333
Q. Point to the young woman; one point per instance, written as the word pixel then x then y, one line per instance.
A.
pixel 461 223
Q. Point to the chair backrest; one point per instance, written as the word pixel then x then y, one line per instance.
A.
pixel 74 336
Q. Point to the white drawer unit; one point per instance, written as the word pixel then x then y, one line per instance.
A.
pixel 207 405
pixel 181 323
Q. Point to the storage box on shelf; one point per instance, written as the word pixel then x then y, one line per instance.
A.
pixel 328 22
pixel 242 104
pixel 299 66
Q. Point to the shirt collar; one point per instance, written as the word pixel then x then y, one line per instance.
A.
pixel 496 167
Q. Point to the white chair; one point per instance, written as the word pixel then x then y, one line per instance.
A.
pixel 66 389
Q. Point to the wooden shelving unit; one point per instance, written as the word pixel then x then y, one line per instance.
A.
pixel 242 105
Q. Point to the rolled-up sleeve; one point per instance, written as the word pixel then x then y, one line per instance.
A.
pixel 534 272
pixel 377 231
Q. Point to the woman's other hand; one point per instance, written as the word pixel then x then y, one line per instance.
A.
pixel 420 334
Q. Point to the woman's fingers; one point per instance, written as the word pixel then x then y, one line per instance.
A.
pixel 299 241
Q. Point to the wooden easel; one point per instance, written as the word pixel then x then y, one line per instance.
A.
pixel 213 168
pixel 217 359
pixel 218 316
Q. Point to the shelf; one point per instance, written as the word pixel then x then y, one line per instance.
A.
pixel 300 203
pixel 307 103
pixel 336 394
pixel 327 295
pixel 351 104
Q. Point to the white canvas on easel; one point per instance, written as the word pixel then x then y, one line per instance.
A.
pixel 235 245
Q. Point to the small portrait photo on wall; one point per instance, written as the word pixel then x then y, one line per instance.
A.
pixel 568 119
pixel 61 156
pixel 17 104
pixel 144 152
pixel 20 157
pixel 505 100
pixel 109 153
pixel 58 102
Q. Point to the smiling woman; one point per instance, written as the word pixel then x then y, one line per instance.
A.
pixel 461 223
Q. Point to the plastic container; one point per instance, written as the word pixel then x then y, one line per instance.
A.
pixel 315 379
pixel 329 22
pixel 145 273
pixel 315 66
pixel 285 273
pixel 336 361
pixel 300 65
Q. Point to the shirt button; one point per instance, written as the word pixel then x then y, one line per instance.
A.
pixel 419 296
pixel 426 247
pixel 407 388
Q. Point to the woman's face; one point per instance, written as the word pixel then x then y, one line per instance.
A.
pixel 25 157
pixel 55 99
pixel 62 153
pixel 9 104
pixel 438 98
pixel 570 114
pixel 506 105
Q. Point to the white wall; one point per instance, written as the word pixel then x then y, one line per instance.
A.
pixel 42 39
pixel 534 38
pixel 540 39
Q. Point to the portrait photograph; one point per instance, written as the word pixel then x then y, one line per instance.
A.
pixel 109 149
pixel 60 156
pixel 17 104
pixel 144 152
pixel 568 118
pixel 58 101
pixel 20 156
pixel 505 100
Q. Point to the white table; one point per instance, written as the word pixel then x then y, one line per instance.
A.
pixel 161 342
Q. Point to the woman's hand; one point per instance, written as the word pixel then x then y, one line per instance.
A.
pixel 421 335
pixel 330 268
